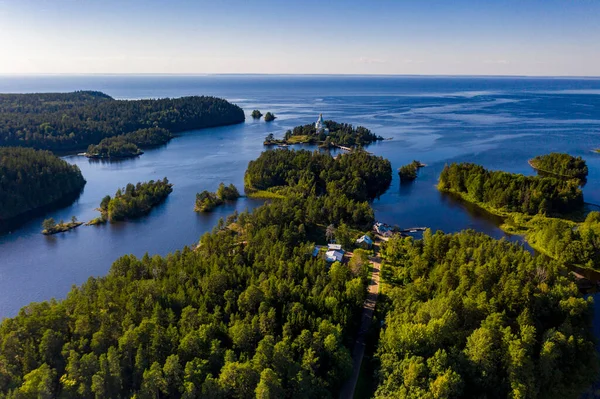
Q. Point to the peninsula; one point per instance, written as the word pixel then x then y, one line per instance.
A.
pixel 73 121
pixel 207 201
pixel 32 180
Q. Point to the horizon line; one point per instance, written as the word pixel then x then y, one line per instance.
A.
pixel 19 74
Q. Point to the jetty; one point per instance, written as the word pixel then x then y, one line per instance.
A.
pixel 412 229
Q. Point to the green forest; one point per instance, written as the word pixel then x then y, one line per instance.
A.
pixel 559 164
pixel 248 313
pixel 506 192
pixel 409 171
pixel 134 201
pixel 128 145
pixel 333 190
pixel 474 317
pixel 339 134
pixel 31 179
pixel 70 121
pixel 207 201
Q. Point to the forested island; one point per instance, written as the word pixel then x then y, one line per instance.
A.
pixel 269 117
pixel 133 201
pixel 128 145
pixel 561 165
pixel 256 114
pixel 51 227
pixel 207 201
pixel 474 317
pixel 32 180
pixel 408 172
pixel 502 192
pixel 333 134
pixel 72 121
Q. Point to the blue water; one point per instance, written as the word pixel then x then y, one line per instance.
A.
pixel 498 122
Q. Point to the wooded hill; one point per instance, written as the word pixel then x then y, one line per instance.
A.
pixel 68 121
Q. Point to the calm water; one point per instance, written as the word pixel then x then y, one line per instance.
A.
pixel 498 122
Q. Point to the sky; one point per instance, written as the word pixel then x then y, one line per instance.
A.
pixel 458 37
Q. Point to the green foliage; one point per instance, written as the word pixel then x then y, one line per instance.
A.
pixel 560 164
pixel 269 117
pixel 31 179
pixel 256 114
pixel 342 134
pixel 63 121
pixel 409 172
pixel 48 224
pixel 474 317
pixel 247 313
pixel 135 200
pixel 511 192
pixel 207 201
pixel 128 145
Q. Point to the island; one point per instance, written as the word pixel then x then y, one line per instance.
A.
pixel 73 121
pixel 560 165
pixel 207 201
pixel 33 181
pixel 51 227
pixel 408 172
pixel 269 117
pixel 128 145
pixel 133 201
pixel 327 134
pixel 252 310
pixel 256 114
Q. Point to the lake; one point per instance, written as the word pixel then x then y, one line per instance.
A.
pixel 499 122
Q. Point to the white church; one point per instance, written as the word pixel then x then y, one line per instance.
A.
pixel 320 125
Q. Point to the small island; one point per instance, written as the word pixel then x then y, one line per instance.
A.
pixel 560 165
pixel 207 201
pixel 328 134
pixel 128 145
pixel 133 201
pixel 51 227
pixel 408 172
pixel 269 117
pixel 256 114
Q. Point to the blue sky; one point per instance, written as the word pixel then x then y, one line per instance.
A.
pixel 504 37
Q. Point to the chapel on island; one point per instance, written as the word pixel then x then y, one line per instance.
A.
pixel 320 125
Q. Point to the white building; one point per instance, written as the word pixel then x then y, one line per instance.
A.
pixel 334 255
pixel 334 247
pixel 364 242
pixel 320 125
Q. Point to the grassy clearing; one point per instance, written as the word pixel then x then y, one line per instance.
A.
pixel 263 194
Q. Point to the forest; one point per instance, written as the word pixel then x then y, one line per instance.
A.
pixel 207 201
pixel 71 121
pixel 31 179
pixel 409 171
pixel 562 165
pixel 248 313
pixel 128 145
pixel 474 317
pixel 507 192
pixel 339 134
pixel 134 201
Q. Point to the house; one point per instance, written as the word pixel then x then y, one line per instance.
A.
pixel 334 255
pixel 364 242
pixel 334 247
pixel 316 250
pixel 381 228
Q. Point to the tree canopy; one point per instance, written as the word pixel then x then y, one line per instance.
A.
pixel 66 121
pixel 511 192
pixel 559 164
pixel 475 317
pixel 127 145
pixel 31 179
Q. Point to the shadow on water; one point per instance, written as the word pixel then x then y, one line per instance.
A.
pixel 9 225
